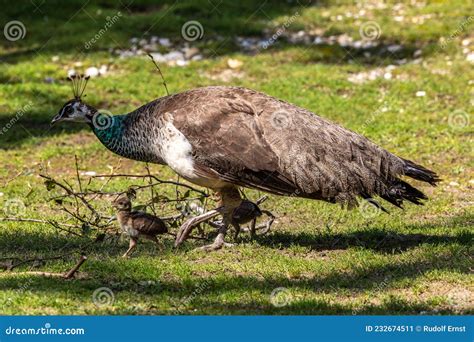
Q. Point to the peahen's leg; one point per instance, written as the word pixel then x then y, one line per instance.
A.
pixel 229 199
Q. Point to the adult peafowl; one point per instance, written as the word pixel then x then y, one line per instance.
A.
pixel 224 137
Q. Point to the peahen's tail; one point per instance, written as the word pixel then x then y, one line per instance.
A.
pixel 401 190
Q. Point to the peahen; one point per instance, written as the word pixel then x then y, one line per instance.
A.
pixel 228 137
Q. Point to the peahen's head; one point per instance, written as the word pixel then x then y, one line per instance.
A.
pixel 75 110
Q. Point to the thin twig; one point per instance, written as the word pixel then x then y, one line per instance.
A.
pixel 12 179
pixel 161 74
pixel 107 181
pixel 189 237
pixel 77 173
pixel 55 257
pixel 58 226
pixel 24 219
pixel 70 192
pixel 36 259
pixel 159 181
pixel 173 217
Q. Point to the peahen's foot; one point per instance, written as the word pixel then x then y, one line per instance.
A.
pixel 188 226
pixel 214 246
pixel 245 211
pixel 217 244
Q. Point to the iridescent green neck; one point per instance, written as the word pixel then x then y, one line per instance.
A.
pixel 126 136
pixel 110 130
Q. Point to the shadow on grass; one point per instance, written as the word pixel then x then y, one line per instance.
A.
pixel 374 239
pixel 33 126
pixel 392 306
pixel 71 24
pixel 33 243
pixel 124 277
pixel 125 282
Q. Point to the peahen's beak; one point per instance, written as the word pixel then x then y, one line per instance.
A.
pixel 56 119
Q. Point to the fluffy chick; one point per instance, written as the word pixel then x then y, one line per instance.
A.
pixel 137 224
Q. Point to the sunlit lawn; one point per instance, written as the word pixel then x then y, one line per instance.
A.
pixel 328 260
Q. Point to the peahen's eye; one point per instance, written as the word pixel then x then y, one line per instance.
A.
pixel 66 110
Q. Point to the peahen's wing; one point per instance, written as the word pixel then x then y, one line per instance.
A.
pixel 250 139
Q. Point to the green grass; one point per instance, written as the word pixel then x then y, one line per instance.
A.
pixel 330 261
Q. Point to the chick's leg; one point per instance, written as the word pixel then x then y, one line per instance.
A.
pixel 154 239
pixel 132 245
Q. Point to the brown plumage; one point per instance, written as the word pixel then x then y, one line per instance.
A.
pixel 137 224
pixel 247 138
pixel 246 212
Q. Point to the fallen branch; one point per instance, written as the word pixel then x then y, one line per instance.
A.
pixel 73 270
pixel 68 275
pixel 22 219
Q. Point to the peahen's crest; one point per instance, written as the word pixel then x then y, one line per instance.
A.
pixel 78 83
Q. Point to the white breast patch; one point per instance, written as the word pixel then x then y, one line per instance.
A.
pixel 176 150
